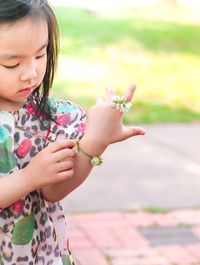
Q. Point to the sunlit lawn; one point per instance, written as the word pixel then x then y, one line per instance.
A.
pixel 160 53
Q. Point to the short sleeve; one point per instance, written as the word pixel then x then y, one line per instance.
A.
pixel 68 119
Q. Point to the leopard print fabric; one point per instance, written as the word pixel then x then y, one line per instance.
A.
pixel 32 230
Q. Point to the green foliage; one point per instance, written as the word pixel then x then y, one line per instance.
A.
pixel 160 54
pixel 66 260
pixel 155 210
pixel 7 158
pixel 23 231
pixel 83 31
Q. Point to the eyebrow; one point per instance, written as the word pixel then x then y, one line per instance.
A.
pixel 17 56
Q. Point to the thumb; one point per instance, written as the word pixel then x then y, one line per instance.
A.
pixel 61 144
pixel 133 131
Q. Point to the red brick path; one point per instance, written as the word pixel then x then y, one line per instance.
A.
pixel 114 238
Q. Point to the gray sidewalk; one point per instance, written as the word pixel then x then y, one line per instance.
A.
pixel 160 169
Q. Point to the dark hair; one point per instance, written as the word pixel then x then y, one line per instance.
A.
pixel 13 10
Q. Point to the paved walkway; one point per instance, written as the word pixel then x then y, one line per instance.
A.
pixel 160 170
pixel 137 238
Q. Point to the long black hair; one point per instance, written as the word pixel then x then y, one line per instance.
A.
pixel 13 10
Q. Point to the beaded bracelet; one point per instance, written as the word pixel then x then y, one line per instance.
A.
pixel 95 160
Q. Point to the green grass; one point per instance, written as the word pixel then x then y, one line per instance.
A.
pixel 160 53
pixel 156 210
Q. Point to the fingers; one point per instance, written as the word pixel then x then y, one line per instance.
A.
pixel 109 94
pixel 64 166
pixel 130 93
pixel 99 101
pixel 60 144
pixel 64 154
pixel 65 170
pixel 65 175
pixel 132 131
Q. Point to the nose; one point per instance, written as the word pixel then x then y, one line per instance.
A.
pixel 29 73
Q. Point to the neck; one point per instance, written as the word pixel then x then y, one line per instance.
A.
pixel 6 105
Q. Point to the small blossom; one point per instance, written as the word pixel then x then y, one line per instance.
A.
pixel 120 104
pixel 96 161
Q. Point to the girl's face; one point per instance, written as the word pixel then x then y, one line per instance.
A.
pixel 23 59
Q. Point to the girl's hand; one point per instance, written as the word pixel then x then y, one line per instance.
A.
pixel 53 164
pixel 104 122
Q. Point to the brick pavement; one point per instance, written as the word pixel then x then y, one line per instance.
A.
pixel 136 238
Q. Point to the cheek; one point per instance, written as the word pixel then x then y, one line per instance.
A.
pixel 43 67
pixel 7 76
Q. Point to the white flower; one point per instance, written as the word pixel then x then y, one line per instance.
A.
pixel 120 104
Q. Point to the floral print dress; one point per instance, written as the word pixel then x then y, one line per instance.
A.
pixel 33 230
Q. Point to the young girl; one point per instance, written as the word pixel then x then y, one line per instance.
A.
pixel 41 161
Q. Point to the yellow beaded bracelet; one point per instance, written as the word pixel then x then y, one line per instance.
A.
pixel 95 160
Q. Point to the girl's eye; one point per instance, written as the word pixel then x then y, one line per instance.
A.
pixel 40 56
pixel 11 66
pixel 16 65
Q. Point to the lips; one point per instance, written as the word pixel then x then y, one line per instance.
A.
pixel 27 90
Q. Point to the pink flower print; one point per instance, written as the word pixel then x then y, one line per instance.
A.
pixel 63 119
pixel 81 128
pixel 18 206
pixel 24 148
pixel 31 109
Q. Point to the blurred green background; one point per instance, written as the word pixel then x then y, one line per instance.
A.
pixel 156 47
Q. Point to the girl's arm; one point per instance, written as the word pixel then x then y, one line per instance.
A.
pixel 82 168
pixel 13 187
pixel 103 127
pixel 46 168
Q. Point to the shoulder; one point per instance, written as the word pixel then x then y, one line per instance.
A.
pixel 60 106
pixel 68 116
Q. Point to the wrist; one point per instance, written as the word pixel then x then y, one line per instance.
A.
pixel 94 160
pixel 91 150
pixel 94 146
pixel 28 179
